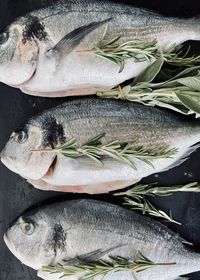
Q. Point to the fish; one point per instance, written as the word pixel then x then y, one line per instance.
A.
pixel 31 150
pixel 95 230
pixel 44 53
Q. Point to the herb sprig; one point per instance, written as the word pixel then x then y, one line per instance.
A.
pixel 118 52
pixel 180 93
pixel 154 189
pixel 136 199
pixel 124 152
pixel 89 270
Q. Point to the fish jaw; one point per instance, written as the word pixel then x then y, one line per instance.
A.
pixel 25 170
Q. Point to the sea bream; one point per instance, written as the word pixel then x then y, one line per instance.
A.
pixel 41 53
pixel 31 150
pixel 94 230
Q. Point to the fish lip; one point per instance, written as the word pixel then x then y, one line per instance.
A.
pixel 7 161
pixel 9 244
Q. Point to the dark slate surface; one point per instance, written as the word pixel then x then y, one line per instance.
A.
pixel 17 195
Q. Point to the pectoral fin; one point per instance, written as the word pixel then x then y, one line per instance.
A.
pixel 98 254
pixel 73 39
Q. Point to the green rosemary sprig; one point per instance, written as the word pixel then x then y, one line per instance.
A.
pixel 140 203
pixel 153 189
pixel 93 269
pixel 118 52
pixel 124 152
pixel 136 197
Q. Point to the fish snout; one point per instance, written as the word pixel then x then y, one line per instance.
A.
pixel 7 161
pixel 8 242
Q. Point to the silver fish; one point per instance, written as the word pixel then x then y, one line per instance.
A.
pixel 40 52
pixel 84 119
pixel 95 230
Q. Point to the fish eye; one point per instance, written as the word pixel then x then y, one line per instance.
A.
pixel 27 228
pixel 4 37
pixel 20 137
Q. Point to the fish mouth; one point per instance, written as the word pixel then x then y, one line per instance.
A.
pixel 9 163
pixel 9 244
pixel 52 167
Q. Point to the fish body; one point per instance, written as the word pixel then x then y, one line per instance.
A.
pixel 41 52
pixel 96 230
pixel 31 152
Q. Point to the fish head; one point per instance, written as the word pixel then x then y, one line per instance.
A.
pixel 29 239
pixel 27 153
pixel 18 55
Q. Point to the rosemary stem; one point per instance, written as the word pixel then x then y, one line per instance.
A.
pixel 44 150
pixel 163 264
pixel 176 222
pixel 120 194
pixel 92 51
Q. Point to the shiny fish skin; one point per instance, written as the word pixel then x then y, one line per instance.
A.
pixel 24 62
pixel 69 229
pixel 84 119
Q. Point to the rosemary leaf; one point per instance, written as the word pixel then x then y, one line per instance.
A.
pixel 93 269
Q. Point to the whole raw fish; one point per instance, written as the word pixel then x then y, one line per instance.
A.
pixel 93 230
pixel 84 119
pixel 40 53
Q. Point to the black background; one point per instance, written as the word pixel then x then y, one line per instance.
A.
pixel 16 195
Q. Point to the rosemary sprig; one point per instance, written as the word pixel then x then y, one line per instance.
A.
pixel 140 203
pixel 135 198
pixel 93 269
pixel 124 152
pixel 152 189
pixel 118 52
